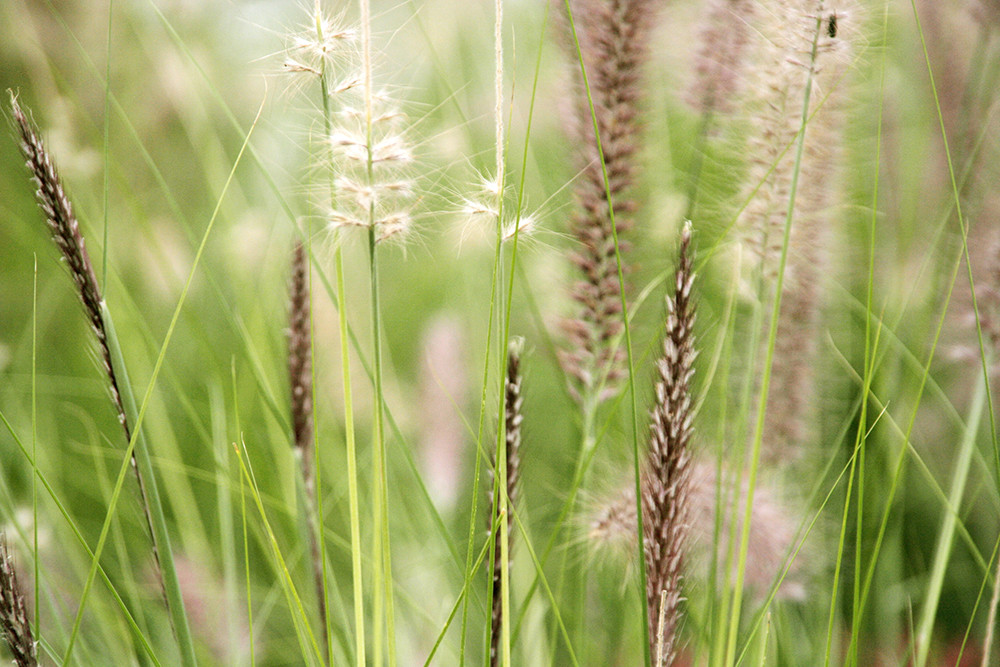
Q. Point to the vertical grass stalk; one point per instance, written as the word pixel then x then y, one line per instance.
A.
pixel 946 536
pixel 65 230
pixel 737 601
pixel 384 592
pixel 665 484
pixel 300 373
pixel 357 573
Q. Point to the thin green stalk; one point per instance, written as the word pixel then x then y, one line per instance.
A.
pixel 224 503
pixel 349 416
pixel 352 465
pixel 771 337
pixel 357 573
pixel 946 536
pixel 138 446
pixel 500 491
pixel 246 567
pixel 991 616
pixel 243 514
pixel 34 446
pixel 717 617
pixel 300 619
pixel 384 592
pixel 738 454
pixel 496 310
pixel 381 526
pixel 869 373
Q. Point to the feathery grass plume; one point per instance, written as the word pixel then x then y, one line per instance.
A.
pixel 720 62
pixel 319 44
pixel 300 375
pixel 14 613
pixel 369 155
pixel 665 488
pixel 313 53
pixel 512 427
pixel 65 230
pixel 613 40
pixel 482 205
pixel 773 527
pixel 784 44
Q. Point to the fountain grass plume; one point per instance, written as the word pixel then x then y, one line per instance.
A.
pixel 719 66
pixel 65 230
pixel 300 377
pixel 613 38
pixel 665 487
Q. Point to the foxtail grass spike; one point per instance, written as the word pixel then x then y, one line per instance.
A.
pixel 665 491
pixel 65 230
pixel 720 63
pixel 613 40
pixel 512 425
pixel 300 376
pixel 300 360
pixel 14 613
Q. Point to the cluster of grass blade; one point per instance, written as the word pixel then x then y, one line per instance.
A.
pixel 359 519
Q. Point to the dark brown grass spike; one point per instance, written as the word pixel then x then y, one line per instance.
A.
pixel 613 42
pixel 512 424
pixel 300 378
pixel 665 488
pixel 65 230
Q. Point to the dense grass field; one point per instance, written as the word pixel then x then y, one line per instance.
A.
pixel 401 314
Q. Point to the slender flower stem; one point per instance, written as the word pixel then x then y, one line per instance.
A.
pixel 384 593
pixel 65 229
pixel 769 357
pixel 357 574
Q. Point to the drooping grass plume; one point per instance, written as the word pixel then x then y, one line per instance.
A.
pixel 513 418
pixel 719 67
pixel 65 230
pixel 782 67
pixel 665 488
pixel 300 376
pixel 14 613
pixel 613 39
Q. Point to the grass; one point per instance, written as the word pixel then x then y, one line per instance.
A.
pixel 198 146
